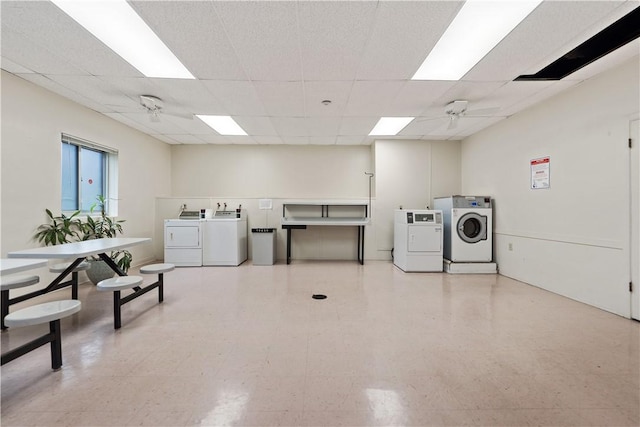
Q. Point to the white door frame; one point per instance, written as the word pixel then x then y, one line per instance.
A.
pixel 634 214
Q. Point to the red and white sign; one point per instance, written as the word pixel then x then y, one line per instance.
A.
pixel 540 173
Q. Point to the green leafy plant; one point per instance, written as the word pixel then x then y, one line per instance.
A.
pixel 66 229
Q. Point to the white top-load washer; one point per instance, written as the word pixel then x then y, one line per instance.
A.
pixel 418 240
pixel 225 238
pixel 183 242
pixel 468 228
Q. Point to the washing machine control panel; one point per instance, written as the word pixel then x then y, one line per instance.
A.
pixel 424 217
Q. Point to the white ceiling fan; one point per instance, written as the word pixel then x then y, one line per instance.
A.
pixel 155 107
pixel 457 109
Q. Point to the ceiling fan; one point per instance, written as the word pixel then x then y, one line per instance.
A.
pixel 459 108
pixel 155 107
pixel 456 109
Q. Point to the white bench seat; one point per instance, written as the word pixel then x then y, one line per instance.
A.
pixel 12 282
pixel 50 312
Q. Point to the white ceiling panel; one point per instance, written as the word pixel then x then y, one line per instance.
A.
pixel 257 125
pixel 290 126
pixel 270 64
pixel 357 126
pixel 333 36
pixel 547 29
pixel 240 140
pixel 322 140
pixel 195 34
pixel 282 98
pixel 416 96
pixel 264 36
pixel 336 92
pixel 268 140
pixel 371 98
pixel 238 97
pixel 349 140
pixel 403 34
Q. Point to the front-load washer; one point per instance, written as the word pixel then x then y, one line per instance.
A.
pixel 417 238
pixel 468 225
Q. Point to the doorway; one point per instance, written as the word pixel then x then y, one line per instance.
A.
pixel 634 176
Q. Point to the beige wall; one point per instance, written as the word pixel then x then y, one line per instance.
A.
pixel 32 122
pixel 573 238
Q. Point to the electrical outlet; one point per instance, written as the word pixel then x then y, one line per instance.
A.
pixel 510 246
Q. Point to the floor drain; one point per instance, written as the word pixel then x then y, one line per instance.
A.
pixel 319 296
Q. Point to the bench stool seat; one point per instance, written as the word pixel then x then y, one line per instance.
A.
pixel 12 282
pixel 119 283
pixel 50 312
pixel 157 268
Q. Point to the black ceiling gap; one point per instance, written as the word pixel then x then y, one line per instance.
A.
pixel 611 38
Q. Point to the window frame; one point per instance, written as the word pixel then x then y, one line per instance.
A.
pixel 109 172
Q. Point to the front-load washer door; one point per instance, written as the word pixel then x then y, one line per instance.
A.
pixel 472 227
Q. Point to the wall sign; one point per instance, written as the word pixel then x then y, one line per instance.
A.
pixel 540 173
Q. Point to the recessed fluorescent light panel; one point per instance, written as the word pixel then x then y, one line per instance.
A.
pixel 224 125
pixel 477 28
pixel 117 25
pixel 388 126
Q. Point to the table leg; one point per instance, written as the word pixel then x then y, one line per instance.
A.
pixel 56 344
pixel 288 245
pixel 4 295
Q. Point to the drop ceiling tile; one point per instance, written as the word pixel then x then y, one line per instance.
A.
pixel 186 96
pixel 240 140
pixel 322 126
pixel 94 88
pixel 214 138
pixel 290 126
pixel 165 138
pixel 12 67
pixel 268 140
pixel 333 36
pixel 57 88
pixel 135 124
pixel 417 95
pixel 353 126
pixel 547 92
pixel 420 126
pixel 239 98
pixel 551 30
pixel 322 140
pixel 193 31
pixel 295 140
pixel 349 140
pixel 163 126
pixel 317 91
pixel 256 125
pixel 372 98
pixel 193 126
pixel 403 34
pixel 185 138
pixel 464 90
pixel 64 46
pixel 282 98
pixel 264 36
pixel 472 127
pixel 34 57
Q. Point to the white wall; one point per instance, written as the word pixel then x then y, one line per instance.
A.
pixel 572 239
pixel 32 122
pixel 410 174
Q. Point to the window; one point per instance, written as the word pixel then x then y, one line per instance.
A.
pixel 88 171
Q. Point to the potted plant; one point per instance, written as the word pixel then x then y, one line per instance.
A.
pixel 66 229
pixel 100 227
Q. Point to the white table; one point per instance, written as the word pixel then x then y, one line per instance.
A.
pixel 10 266
pixel 77 250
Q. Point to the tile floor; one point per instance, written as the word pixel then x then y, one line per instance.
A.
pixel 249 346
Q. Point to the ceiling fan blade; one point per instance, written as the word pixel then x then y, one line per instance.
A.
pixel 453 122
pixel 482 111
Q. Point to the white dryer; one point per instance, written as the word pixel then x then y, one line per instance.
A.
pixel 417 238
pixel 183 242
pixel 468 228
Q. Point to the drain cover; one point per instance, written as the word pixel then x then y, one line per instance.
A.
pixel 319 296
